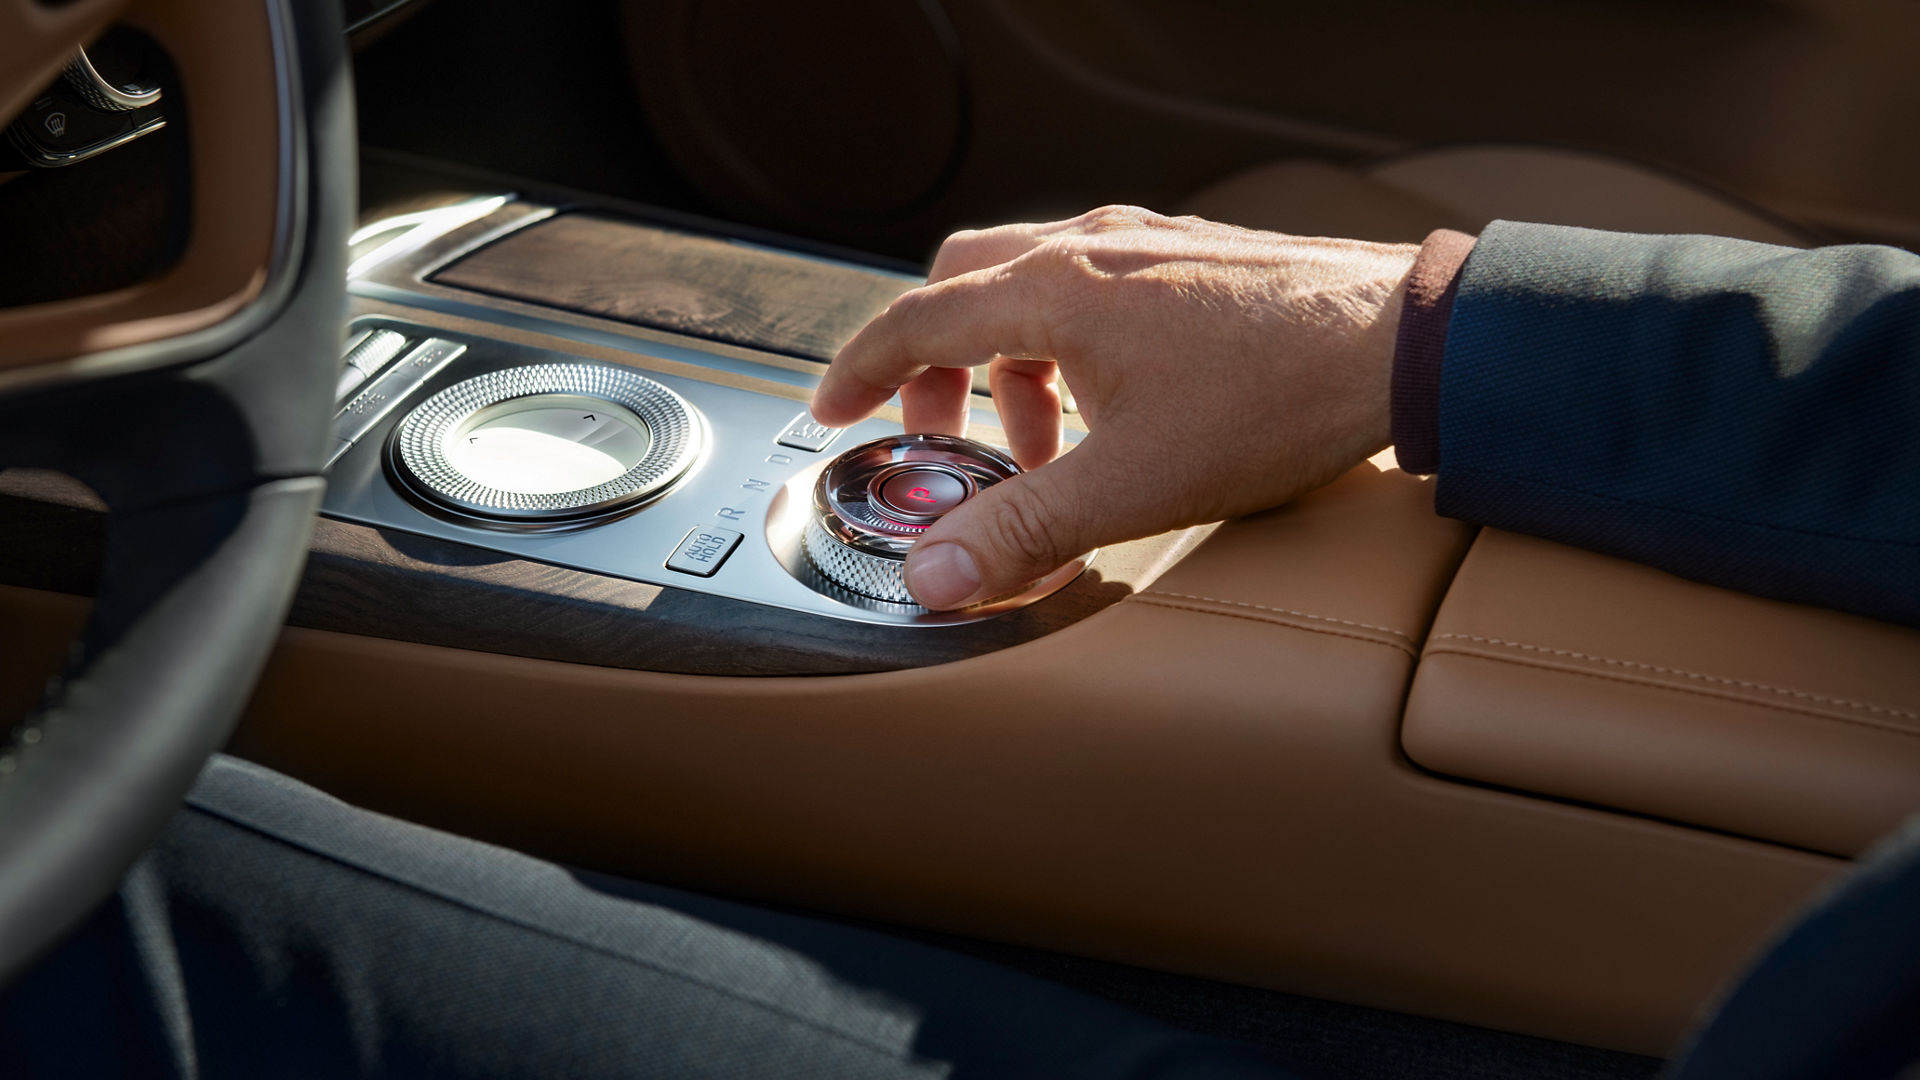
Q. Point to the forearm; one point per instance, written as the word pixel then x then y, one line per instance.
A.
pixel 1736 413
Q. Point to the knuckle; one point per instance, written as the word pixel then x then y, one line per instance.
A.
pixel 1085 299
pixel 1118 216
pixel 898 328
pixel 1066 264
pixel 1023 532
pixel 1040 279
pixel 910 305
pixel 1057 254
pixel 1063 285
pixel 956 249
pixel 1057 265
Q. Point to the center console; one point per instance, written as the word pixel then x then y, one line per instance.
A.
pixel 619 404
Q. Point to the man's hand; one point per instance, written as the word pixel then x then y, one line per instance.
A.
pixel 1220 371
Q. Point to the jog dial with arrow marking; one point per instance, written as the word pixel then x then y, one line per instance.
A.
pixel 547 443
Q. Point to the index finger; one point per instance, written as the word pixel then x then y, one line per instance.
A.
pixel 978 249
pixel 961 322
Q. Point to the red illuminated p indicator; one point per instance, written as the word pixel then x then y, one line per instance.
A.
pixel 921 492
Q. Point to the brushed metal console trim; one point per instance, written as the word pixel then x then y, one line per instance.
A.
pixel 744 481
pixel 741 482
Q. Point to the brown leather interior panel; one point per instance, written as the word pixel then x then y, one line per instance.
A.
pixel 1364 558
pixel 1404 197
pixel 1204 778
pixel 224 54
pixel 1801 105
pixel 90 228
pixel 1572 674
pixel 682 283
pixel 1316 198
pixel 395 584
pixel 37 40
pixel 1572 187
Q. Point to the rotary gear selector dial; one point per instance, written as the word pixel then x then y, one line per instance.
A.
pixel 875 500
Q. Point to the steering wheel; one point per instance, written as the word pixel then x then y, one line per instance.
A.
pixel 196 405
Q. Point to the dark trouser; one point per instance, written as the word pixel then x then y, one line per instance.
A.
pixel 272 931
pixel 275 932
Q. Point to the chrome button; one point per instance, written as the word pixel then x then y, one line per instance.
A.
pixel 803 433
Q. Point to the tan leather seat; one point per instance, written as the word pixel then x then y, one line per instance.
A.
pixel 1402 198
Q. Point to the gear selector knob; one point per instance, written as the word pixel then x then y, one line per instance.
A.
pixel 875 500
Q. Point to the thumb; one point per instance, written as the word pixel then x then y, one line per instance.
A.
pixel 1022 529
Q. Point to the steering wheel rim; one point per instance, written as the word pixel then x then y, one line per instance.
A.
pixel 207 446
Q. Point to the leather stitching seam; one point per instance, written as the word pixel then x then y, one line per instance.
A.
pixel 1896 728
pixel 1150 598
pixel 1777 706
pixel 1723 680
pixel 1284 611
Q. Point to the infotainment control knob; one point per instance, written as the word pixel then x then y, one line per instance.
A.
pixel 875 500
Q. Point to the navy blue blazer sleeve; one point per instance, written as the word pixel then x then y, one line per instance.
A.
pixel 1736 413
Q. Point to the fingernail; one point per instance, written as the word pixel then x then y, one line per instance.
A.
pixel 942 576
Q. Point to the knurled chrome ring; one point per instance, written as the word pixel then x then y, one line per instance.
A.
pixel 419 444
pixel 874 576
pixel 96 91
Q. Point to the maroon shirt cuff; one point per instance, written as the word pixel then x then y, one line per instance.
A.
pixel 1419 346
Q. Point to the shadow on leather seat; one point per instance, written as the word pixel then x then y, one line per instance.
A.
pixel 1403 197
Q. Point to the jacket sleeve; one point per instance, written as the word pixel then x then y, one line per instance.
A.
pixel 1732 412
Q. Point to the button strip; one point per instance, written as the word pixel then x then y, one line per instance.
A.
pixel 382 394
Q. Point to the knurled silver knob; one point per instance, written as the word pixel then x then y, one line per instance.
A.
pixel 874 501
pixel 116 73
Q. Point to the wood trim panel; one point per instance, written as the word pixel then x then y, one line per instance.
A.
pixel 683 283
pixel 396 585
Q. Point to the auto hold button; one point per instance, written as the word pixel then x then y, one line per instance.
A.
pixel 920 492
pixel 703 550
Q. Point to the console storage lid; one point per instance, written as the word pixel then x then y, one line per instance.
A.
pixel 1564 673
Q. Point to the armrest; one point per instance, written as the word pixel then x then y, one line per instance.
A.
pixel 1575 675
